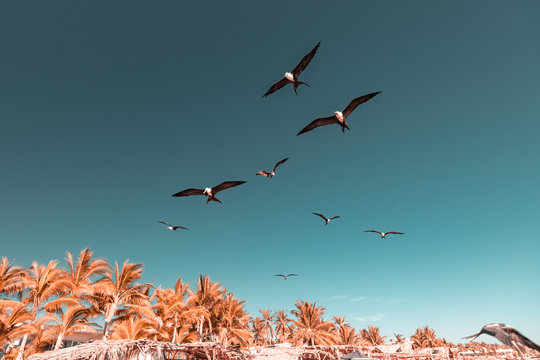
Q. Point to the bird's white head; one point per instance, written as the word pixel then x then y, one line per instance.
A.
pixel 339 115
pixel 289 76
pixel 207 191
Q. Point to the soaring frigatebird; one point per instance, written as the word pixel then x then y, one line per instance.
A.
pixel 286 276
pixel 210 192
pixel 273 172
pixel 292 77
pixel 325 219
pixel 383 234
pixel 340 117
pixel 508 336
pixel 170 227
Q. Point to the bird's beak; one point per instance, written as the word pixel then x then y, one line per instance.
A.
pixel 472 337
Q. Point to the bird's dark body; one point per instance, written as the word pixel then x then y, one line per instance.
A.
pixel 508 336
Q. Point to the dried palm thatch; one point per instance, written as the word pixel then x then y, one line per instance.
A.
pixel 141 349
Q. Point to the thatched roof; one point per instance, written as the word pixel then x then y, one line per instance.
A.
pixel 131 349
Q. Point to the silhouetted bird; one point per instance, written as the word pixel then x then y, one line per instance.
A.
pixel 383 235
pixel 273 172
pixel 325 219
pixel 286 276
pixel 210 192
pixel 292 77
pixel 508 336
pixel 340 117
pixel 170 227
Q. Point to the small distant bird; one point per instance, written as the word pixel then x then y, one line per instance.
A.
pixel 383 235
pixel 292 77
pixel 340 117
pixel 273 173
pixel 286 276
pixel 325 219
pixel 508 336
pixel 210 192
pixel 170 227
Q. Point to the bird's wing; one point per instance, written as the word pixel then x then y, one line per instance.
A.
pixel 319 122
pixel 190 191
pixel 375 231
pixel 394 232
pixel 279 163
pixel 281 83
pixel 359 100
pixel 292 275
pixel 280 275
pixel 334 217
pixel 180 227
pixel 225 185
pixel 520 338
pixel 305 61
pixel 263 173
pixel 321 215
pixel 163 222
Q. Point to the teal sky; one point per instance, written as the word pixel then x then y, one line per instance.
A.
pixel 108 108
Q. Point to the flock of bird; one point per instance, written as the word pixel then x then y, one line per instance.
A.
pixel 338 118
pixel 506 334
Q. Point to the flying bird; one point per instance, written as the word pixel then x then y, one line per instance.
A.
pixel 210 192
pixel 273 172
pixel 325 219
pixel 340 117
pixel 383 235
pixel 286 276
pixel 170 227
pixel 292 77
pixel 508 336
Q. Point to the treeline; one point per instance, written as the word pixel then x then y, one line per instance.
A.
pixel 43 304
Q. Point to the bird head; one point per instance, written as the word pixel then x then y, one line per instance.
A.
pixel 289 76
pixel 207 191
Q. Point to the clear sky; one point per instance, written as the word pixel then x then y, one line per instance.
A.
pixel 108 108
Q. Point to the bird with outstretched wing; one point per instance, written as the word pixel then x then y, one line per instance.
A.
pixel 340 117
pixel 286 276
pixel 210 192
pixel 292 77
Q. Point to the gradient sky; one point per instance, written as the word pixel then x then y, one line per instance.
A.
pixel 108 108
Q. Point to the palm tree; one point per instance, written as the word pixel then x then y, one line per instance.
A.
pixel 425 337
pixel 177 316
pixel 15 323
pixel 281 323
pixel 11 278
pixel 398 339
pixel 74 319
pixel 80 273
pixel 132 329
pixel 311 329
pixel 268 329
pixel 207 295
pixel 345 333
pixel 42 284
pixel 231 322
pixel 371 336
pixel 257 329
pixel 117 297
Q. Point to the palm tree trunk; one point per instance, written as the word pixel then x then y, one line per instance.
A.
pixel 21 347
pixel 59 341
pixel 174 329
pixel 108 320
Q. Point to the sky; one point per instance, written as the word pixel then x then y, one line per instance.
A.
pixel 108 108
